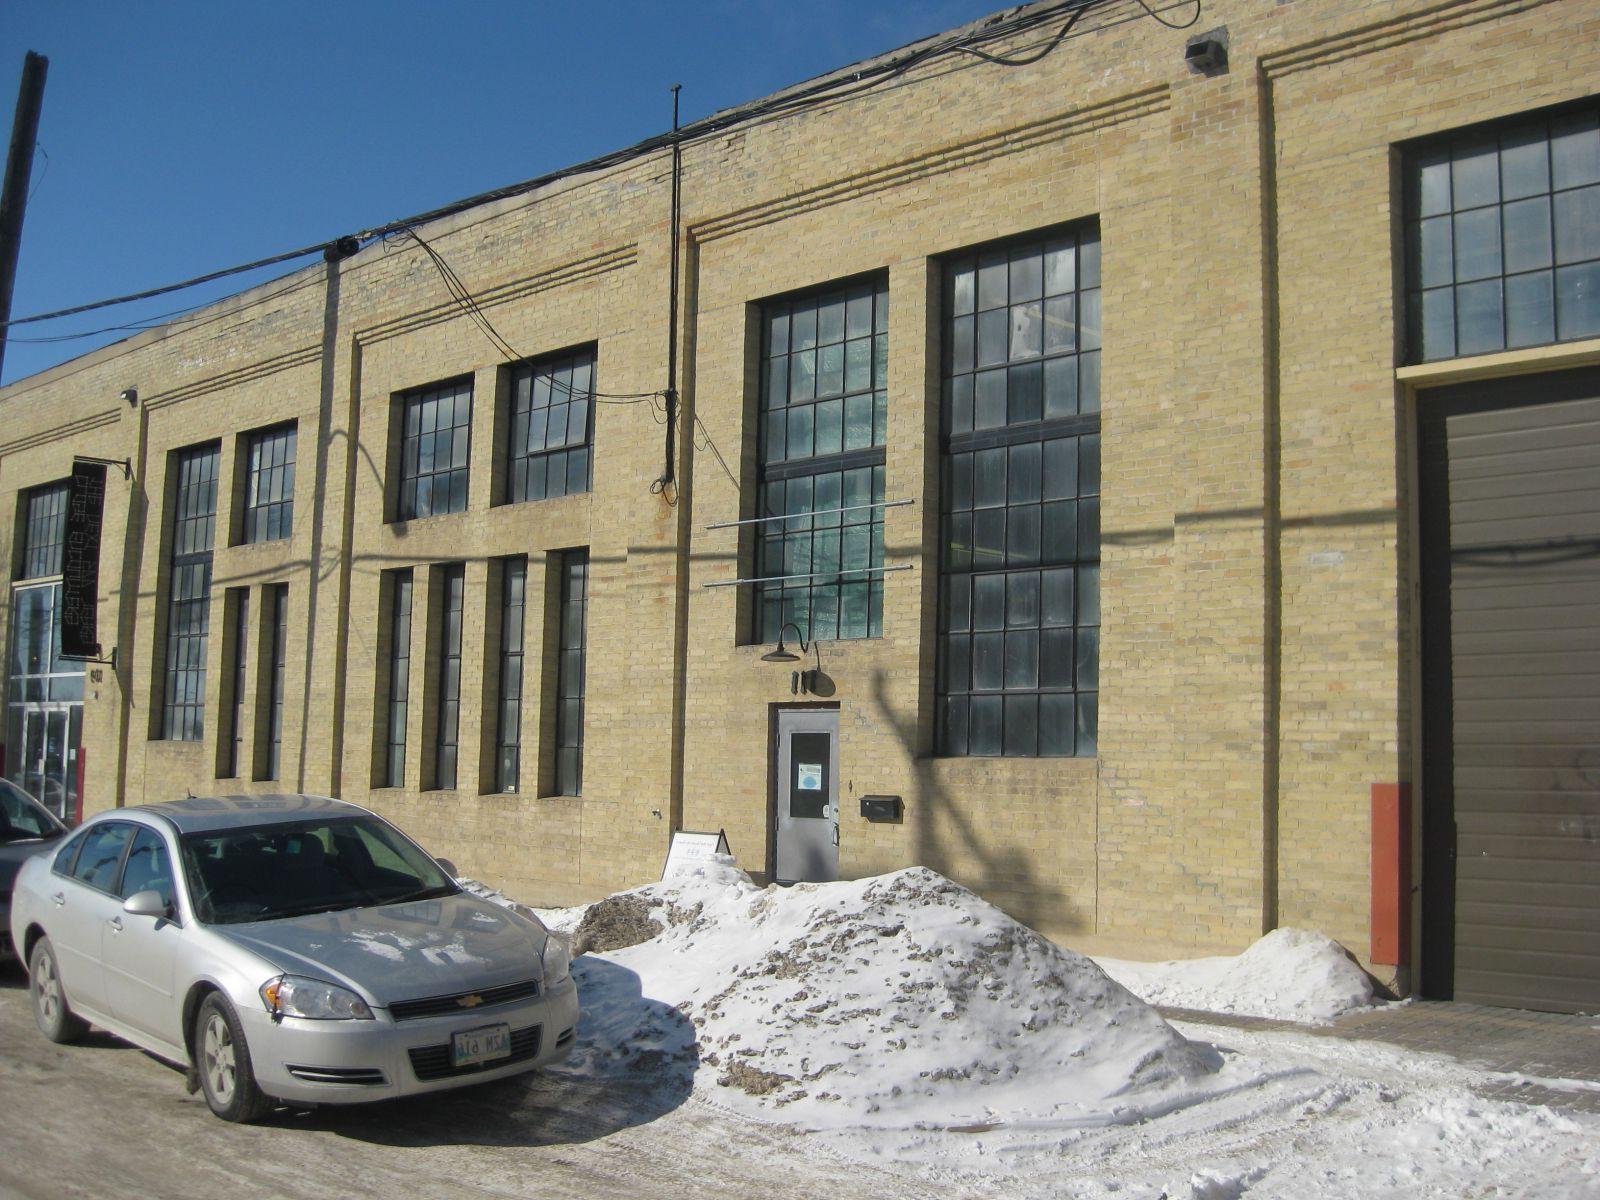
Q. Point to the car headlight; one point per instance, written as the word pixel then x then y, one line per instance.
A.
pixel 294 996
pixel 556 959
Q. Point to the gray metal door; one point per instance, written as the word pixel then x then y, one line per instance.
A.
pixel 1511 691
pixel 806 761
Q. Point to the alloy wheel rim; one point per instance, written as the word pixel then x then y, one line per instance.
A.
pixel 49 989
pixel 219 1059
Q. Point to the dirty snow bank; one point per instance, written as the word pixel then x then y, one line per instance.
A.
pixel 1289 975
pixel 893 1001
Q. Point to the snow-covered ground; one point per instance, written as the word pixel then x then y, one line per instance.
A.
pixel 1289 975
pixel 904 1022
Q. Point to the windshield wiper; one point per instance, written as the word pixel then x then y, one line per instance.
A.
pixel 427 893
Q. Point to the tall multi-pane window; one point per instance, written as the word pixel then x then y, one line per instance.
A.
pixel 277 600
pixel 44 698
pixel 435 442
pixel 269 484
pixel 551 403
pixel 194 518
pixel 824 403
pixel 508 738
pixel 1019 609
pixel 451 590
pixel 397 705
pixel 570 665
pixel 238 610
pixel 46 530
pixel 1503 236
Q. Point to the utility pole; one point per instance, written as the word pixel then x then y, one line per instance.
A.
pixel 19 169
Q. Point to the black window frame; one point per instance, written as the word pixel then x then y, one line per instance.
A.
pixel 269 756
pixel 449 620
pixel 417 415
pixel 571 673
pixel 824 366
pixel 512 674
pixel 1517 255
pixel 44 530
pixel 537 389
pixel 193 534
pixel 401 596
pixel 269 457
pixel 1019 558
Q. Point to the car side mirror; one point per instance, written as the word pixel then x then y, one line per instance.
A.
pixel 146 904
pixel 449 867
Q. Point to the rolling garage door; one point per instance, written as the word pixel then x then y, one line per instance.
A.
pixel 1511 691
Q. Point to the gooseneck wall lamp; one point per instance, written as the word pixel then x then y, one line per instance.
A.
pixel 782 653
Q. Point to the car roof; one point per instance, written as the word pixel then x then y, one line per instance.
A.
pixel 207 814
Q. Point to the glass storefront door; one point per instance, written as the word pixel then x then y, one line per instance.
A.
pixel 44 702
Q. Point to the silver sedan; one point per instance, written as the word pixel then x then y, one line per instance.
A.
pixel 286 949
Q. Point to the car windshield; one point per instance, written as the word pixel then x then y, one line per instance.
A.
pixel 289 870
pixel 21 819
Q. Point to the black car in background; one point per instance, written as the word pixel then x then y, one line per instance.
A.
pixel 26 827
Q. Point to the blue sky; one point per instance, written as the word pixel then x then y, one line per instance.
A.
pixel 180 137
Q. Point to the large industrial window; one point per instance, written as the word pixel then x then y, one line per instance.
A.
pixel 397 704
pixel 237 615
pixel 1503 236
pixel 277 598
pixel 194 518
pixel 570 666
pixel 823 425
pixel 508 740
pixel 46 530
pixel 269 484
pixel 550 426
pixel 450 585
pixel 435 442
pixel 1019 609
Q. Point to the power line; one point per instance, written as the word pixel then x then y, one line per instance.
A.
pixel 825 90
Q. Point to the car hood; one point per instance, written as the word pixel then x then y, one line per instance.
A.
pixel 399 952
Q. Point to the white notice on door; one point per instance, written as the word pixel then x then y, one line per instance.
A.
pixel 810 777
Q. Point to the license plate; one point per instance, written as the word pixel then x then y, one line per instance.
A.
pixel 482 1045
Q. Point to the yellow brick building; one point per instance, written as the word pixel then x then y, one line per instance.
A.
pixel 1073 409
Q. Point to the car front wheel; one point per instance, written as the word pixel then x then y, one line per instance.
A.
pixel 223 1060
pixel 51 1012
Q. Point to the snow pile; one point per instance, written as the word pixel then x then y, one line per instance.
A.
pixel 896 1001
pixel 1289 975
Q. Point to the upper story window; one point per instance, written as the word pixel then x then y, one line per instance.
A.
pixel 269 484
pixel 822 430
pixel 46 530
pixel 435 442
pixel 194 520
pixel 551 404
pixel 1019 563
pixel 1503 236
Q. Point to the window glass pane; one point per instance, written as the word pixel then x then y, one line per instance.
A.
pixel 995 527
pixel 1475 172
pixel 1530 309
pixel 1577 221
pixel 1578 301
pixel 1479 318
pixel 1575 149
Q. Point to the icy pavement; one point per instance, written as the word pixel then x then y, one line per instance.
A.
pixel 902 1022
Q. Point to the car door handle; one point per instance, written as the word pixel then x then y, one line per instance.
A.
pixel 59 898
pixel 115 923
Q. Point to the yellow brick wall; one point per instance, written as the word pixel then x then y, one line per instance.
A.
pixel 1256 645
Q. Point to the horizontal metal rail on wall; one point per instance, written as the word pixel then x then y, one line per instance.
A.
pixel 821 512
pixel 809 575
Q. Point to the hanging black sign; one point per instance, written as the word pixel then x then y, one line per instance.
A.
pixel 80 562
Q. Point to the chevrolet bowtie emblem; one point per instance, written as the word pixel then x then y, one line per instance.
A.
pixel 471 1001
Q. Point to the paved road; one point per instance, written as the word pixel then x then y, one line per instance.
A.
pixel 102 1119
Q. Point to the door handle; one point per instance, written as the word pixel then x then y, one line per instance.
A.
pixel 59 898
pixel 115 923
pixel 836 833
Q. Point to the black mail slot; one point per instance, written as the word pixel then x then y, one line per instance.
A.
pixel 883 808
